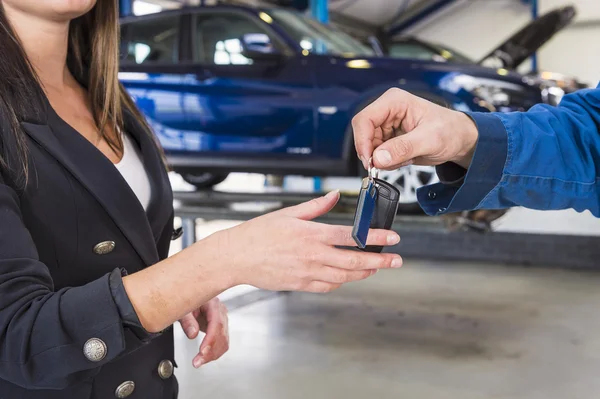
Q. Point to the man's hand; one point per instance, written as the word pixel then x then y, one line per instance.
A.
pixel 210 318
pixel 399 129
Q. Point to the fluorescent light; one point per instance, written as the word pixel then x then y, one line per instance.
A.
pixel 143 8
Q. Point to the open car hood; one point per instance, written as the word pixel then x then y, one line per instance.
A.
pixel 529 39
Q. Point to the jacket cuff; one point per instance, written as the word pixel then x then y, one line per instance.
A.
pixel 451 174
pixel 484 173
pixel 125 308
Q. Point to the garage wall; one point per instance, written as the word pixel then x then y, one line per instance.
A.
pixel 474 27
pixel 575 50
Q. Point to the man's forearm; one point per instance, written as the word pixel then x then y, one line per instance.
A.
pixel 546 158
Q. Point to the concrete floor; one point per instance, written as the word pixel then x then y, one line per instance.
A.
pixel 428 330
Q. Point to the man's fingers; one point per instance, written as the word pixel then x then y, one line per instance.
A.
pixel 190 326
pixel 382 112
pixel 402 149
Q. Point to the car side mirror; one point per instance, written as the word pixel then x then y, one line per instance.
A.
pixel 258 46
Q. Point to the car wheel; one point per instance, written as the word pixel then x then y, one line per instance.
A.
pixel 407 180
pixel 203 180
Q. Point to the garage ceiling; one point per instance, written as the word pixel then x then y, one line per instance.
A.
pixel 373 12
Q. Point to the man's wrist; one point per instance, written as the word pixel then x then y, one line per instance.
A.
pixel 467 130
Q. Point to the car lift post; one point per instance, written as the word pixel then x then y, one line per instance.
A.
pixel 125 7
pixel 534 15
pixel 320 11
pixel 188 224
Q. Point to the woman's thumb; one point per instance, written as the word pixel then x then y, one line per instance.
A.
pixel 315 207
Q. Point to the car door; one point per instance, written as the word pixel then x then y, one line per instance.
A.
pixel 246 104
pixel 150 72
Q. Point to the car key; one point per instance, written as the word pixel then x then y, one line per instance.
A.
pixel 376 209
pixel 365 209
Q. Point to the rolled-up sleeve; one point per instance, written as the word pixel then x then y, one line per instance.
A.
pixel 547 158
pixel 52 338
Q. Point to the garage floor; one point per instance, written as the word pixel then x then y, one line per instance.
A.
pixel 428 330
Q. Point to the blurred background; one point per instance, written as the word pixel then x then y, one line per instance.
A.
pixel 252 103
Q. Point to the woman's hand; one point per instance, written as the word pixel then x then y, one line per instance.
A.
pixel 399 128
pixel 210 318
pixel 280 251
pixel 285 251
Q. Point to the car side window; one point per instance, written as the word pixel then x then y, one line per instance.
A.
pixel 220 37
pixel 153 40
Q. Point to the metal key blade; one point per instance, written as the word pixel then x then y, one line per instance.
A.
pixel 364 212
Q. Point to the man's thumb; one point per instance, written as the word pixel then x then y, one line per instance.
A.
pixel 315 207
pixel 399 150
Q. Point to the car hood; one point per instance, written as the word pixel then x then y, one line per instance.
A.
pixel 520 46
pixel 405 65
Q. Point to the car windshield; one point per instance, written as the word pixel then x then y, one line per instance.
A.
pixel 454 55
pixel 317 38
pixel 429 52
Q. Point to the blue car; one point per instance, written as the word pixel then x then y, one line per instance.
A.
pixel 267 90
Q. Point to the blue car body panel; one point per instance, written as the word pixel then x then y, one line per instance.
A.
pixel 292 116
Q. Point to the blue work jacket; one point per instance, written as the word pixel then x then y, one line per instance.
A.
pixel 546 158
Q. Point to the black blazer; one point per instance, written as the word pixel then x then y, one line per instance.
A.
pixel 67 328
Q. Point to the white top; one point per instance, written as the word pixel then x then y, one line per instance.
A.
pixel 133 171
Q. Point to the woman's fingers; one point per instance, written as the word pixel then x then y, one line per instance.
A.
pixel 190 325
pixel 335 275
pixel 342 236
pixel 357 260
pixel 321 287
pixel 216 340
pixel 313 208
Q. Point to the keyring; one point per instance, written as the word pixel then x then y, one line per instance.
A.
pixel 371 169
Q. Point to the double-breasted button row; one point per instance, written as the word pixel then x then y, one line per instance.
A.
pixel 125 389
pixel 94 349
pixel 104 247
pixel 165 369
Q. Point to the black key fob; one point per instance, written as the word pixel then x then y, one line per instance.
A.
pixel 386 208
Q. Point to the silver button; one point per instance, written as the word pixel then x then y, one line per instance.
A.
pixel 432 195
pixel 125 389
pixel 165 369
pixel 442 210
pixel 104 247
pixel 94 349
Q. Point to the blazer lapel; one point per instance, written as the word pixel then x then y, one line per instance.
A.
pixel 161 204
pixel 100 177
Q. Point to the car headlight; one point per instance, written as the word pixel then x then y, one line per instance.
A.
pixel 490 93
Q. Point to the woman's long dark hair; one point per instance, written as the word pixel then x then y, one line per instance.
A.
pixel 93 59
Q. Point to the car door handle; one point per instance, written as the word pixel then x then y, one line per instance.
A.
pixel 204 76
